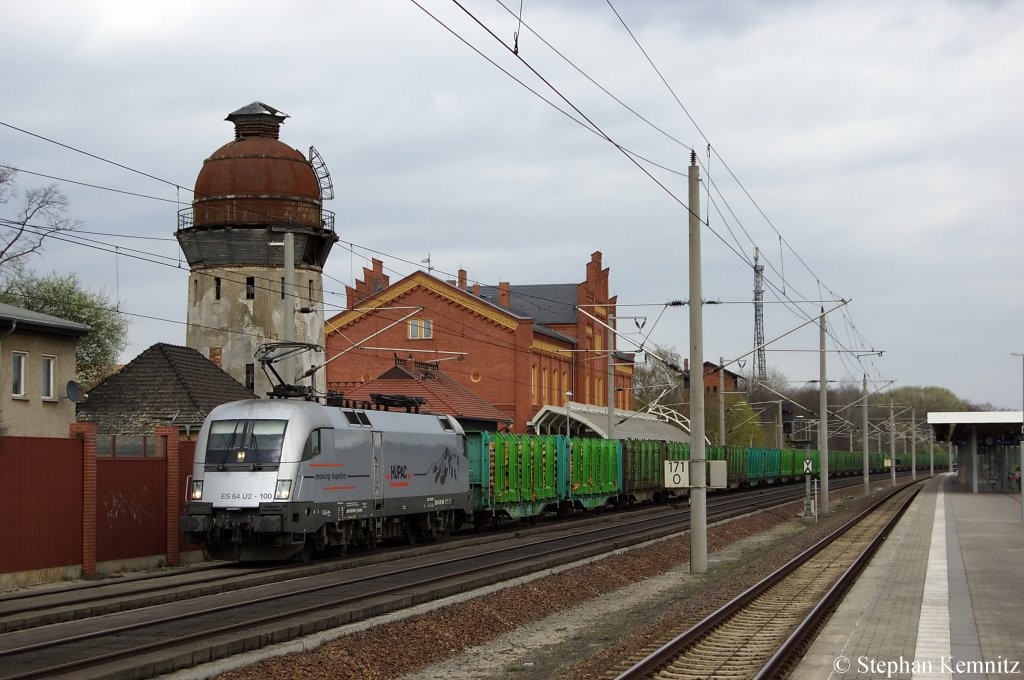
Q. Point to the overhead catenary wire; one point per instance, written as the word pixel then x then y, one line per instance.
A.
pixel 734 239
pixel 735 250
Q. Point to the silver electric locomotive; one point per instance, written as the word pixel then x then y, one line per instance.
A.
pixel 279 478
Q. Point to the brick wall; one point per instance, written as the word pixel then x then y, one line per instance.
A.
pixel 505 361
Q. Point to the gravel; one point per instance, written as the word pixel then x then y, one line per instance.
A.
pixel 574 625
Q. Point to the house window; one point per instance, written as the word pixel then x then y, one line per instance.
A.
pixel 250 287
pixel 216 288
pixel 421 329
pixel 18 361
pixel 250 377
pixel 49 374
pixel 533 384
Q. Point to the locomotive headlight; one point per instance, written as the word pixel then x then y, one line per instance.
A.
pixel 283 490
pixel 197 490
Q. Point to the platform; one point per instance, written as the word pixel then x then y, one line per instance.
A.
pixel 942 598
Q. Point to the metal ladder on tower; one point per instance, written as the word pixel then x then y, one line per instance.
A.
pixel 323 176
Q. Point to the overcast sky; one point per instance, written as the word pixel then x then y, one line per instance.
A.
pixel 873 151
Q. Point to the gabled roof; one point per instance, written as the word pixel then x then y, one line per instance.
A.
pixel 499 315
pixel 546 303
pixel 441 392
pixel 165 385
pixel 15 318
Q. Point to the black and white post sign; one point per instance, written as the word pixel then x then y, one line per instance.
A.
pixel 677 474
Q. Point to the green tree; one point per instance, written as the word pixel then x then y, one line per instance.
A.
pixel 63 296
pixel 924 399
pixel 745 425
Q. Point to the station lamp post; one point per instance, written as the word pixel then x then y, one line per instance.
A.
pixel 568 398
pixel 1020 462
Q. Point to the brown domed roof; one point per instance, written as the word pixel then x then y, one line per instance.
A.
pixel 257 166
pixel 257 179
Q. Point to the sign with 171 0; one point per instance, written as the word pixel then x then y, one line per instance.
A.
pixel 677 474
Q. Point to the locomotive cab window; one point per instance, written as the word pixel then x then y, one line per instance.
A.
pixel 247 444
pixel 316 441
pixel 446 424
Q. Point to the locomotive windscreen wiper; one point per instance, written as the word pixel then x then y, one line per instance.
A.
pixel 258 465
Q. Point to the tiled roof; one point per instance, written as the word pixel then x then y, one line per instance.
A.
pixel 165 385
pixel 441 392
pixel 545 303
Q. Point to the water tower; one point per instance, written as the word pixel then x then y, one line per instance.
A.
pixel 256 198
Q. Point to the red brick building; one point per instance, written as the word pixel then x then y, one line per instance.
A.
pixel 518 347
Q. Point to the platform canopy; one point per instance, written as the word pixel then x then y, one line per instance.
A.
pixel 587 420
pixel 992 428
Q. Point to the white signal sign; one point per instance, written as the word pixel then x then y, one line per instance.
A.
pixel 808 467
pixel 677 474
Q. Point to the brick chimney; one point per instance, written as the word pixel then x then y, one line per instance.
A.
pixel 462 279
pixel 215 356
pixel 504 294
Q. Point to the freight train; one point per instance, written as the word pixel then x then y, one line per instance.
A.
pixel 280 478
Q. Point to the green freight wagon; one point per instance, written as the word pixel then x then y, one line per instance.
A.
pixel 594 477
pixel 790 464
pixel 512 475
pixel 643 469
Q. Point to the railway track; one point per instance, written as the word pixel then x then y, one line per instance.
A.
pixel 177 634
pixel 148 629
pixel 764 629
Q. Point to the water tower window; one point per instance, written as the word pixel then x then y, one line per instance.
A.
pixel 250 377
pixel 282 287
pixel 216 288
pixel 250 287
pixel 311 290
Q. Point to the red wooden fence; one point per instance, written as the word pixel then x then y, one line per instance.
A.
pixel 62 506
pixel 41 503
pixel 131 511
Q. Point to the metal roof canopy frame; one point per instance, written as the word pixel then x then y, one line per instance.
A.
pixel 996 426
pixel 628 424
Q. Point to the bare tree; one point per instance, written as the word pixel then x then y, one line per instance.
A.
pixel 42 214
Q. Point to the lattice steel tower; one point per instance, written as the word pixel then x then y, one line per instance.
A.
pixel 760 370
